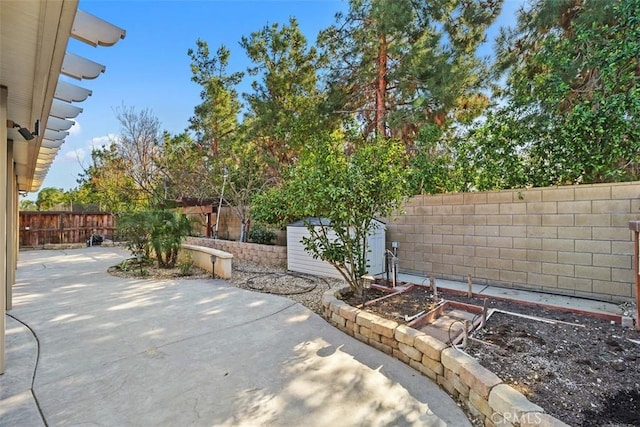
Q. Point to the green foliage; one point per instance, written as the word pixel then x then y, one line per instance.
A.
pixel 50 198
pixel 261 235
pixel 431 169
pixel 28 205
pixel 134 228
pixel 573 90
pixel 162 231
pixel 342 193
pixel 398 65
pixel 215 120
pixel 185 266
pixel 124 176
pixel 107 183
pixel 283 108
pixel 135 266
pixel 223 161
pixel 186 169
pixel 274 206
pixel 490 157
pixel 168 231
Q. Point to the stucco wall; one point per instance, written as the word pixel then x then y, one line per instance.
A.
pixel 570 240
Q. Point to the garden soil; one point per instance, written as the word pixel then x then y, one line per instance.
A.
pixel 581 369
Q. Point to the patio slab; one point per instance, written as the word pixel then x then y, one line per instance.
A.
pixel 125 352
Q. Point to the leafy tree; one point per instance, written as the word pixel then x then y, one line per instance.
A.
pixel 573 89
pixel 432 165
pixel 215 120
pixel 223 154
pixel 124 175
pixel 397 65
pixel 28 205
pixel 186 169
pixel 82 199
pixel 283 109
pixel 248 175
pixel 107 181
pixel 489 156
pixel 342 193
pixel 50 198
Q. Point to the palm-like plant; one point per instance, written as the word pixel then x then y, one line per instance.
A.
pixel 168 231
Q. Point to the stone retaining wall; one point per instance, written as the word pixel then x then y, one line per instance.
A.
pixel 260 254
pixel 481 391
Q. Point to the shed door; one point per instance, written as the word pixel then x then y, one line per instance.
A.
pixel 375 258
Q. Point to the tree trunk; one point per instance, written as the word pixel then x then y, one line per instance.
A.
pixel 243 230
pixel 381 86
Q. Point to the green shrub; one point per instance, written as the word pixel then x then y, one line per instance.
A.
pixel 261 235
pixel 162 231
pixel 186 265
pixel 168 230
pixel 135 229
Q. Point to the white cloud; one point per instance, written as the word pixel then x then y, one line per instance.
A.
pixel 99 141
pixel 77 155
pixel 75 129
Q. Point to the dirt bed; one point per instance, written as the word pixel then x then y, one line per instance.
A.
pixel 583 370
pixel 417 300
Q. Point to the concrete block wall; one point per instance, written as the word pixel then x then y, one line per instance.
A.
pixel 259 254
pixel 571 240
pixel 481 391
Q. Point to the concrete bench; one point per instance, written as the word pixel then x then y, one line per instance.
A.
pixel 202 257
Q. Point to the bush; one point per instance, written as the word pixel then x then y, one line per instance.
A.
pixel 186 265
pixel 135 229
pixel 167 233
pixel 162 231
pixel 261 235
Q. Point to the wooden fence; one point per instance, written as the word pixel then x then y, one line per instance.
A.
pixel 40 228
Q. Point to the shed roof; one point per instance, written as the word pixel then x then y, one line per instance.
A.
pixel 318 221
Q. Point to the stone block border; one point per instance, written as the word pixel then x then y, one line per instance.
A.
pixel 253 252
pixel 481 391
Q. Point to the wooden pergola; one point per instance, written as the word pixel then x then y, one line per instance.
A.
pixel 196 206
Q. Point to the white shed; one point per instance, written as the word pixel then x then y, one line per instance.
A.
pixel 301 261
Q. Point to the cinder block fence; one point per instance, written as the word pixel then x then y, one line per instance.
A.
pixel 570 240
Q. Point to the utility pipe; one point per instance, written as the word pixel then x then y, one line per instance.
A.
pixel 225 174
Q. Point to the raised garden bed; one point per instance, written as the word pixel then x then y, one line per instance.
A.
pixel 582 369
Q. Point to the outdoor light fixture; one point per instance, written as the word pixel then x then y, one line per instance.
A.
pixel 367 280
pixel 213 266
pixel 26 133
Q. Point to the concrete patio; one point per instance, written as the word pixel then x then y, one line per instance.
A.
pixel 103 350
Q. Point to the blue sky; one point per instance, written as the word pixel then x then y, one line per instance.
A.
pixel 150 67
